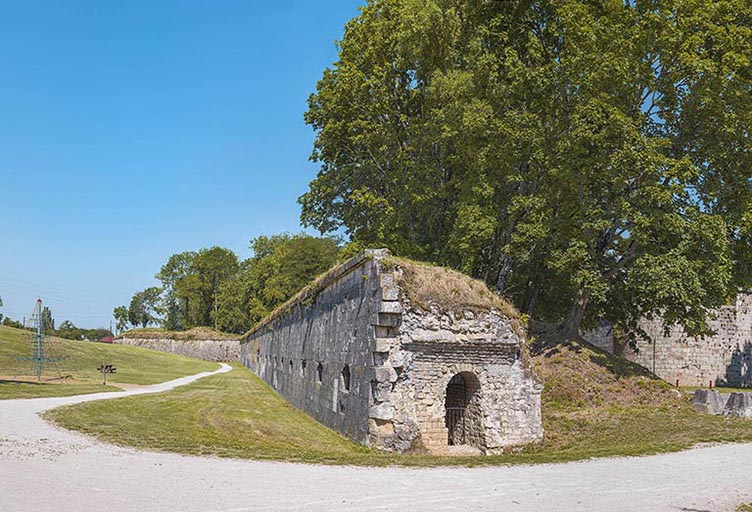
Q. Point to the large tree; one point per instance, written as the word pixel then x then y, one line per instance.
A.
pixel 178 266
pixel 144 308
pixel 587 158
pixel 281 265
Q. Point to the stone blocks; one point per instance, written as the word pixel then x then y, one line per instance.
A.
pixel 739 405
pixel 400 359
pixel 708 401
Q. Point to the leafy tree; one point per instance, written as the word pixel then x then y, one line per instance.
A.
pixel 178 266
pixel 48 323
pixel 191 286
pixel 280 267
pixel 9 322
pixel 121 318
pixel 213 266
pixel 145 307
pixel 586 158
pixel 69 331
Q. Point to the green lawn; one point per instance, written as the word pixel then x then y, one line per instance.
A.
pixel 237 415
pixel 14 389
pixel 720 389
pixel 76 370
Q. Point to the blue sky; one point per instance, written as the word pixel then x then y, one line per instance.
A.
pixel 130 131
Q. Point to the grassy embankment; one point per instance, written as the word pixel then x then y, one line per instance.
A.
pixel 594 405
pixel 76 370
pixel 197 333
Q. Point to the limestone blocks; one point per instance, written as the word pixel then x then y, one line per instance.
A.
pixel 739 405
pixel 708 401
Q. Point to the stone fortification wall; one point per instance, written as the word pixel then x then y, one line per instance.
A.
pixel 434 346
pixel 723 358
pixel 304 350
pixel 207 349
pixel 355 354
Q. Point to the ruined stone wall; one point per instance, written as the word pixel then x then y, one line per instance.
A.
pixel 723 358
pixel 431 348
pixel 208 350
pixel 399 359
pixel 303 352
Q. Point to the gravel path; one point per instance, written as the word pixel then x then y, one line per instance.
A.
pixel 47 469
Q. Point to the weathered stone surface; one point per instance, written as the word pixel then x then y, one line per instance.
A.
pixel 208 350
pixel 708 401
pixel 724 357
pixel 383 411
pixel 385 374
pixel 401 360
pixel 739 405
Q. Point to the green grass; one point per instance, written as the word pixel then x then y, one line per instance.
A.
pixel 76 371
pixel 745 508
pixel 720 389
pixel 14 389
pixel 196 333
pixel 237 415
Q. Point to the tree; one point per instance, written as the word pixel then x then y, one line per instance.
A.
pixel 69 331
pixel 280 267
pixel 178 266
pixel 121 318
pixel 213 267
pixel 48 323
pixel 588 159
pixel 145 307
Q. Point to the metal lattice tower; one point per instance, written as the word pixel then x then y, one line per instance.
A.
pixel 39 355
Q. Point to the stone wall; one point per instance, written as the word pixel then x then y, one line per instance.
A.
pixel 724 358
pixel 353 353
pixel 208 350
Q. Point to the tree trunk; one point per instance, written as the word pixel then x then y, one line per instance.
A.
pixel 572 326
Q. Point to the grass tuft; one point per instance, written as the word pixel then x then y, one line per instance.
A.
pixel 426 285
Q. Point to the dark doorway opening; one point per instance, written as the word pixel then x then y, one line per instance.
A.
pixel 462 414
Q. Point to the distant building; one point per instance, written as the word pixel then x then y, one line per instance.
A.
pixel 106 339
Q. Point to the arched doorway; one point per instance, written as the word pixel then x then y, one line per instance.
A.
pixel 462 416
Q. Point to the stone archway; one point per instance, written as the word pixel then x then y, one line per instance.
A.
pixel 462 416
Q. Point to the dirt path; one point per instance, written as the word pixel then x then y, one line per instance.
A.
pixel 47 469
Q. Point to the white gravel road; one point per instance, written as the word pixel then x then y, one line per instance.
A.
pixel 43 468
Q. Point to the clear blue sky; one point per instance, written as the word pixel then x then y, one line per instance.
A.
pixel 130 131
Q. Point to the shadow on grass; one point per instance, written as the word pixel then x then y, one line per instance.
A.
pixel 550 342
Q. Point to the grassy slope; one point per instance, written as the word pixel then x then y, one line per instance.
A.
pixel 76 371
pixel 197 333
pixel 595 405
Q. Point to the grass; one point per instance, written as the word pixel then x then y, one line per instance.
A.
pixel 76 370
pixel 237 415
pixel 720 389
pixel 745 508
pixel 426 285
pixel 18 389
pixel 197 333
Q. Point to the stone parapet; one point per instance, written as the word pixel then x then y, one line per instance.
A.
pixel 209 350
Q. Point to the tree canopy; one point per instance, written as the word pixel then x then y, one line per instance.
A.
pixel 213 288
pixel 587 158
